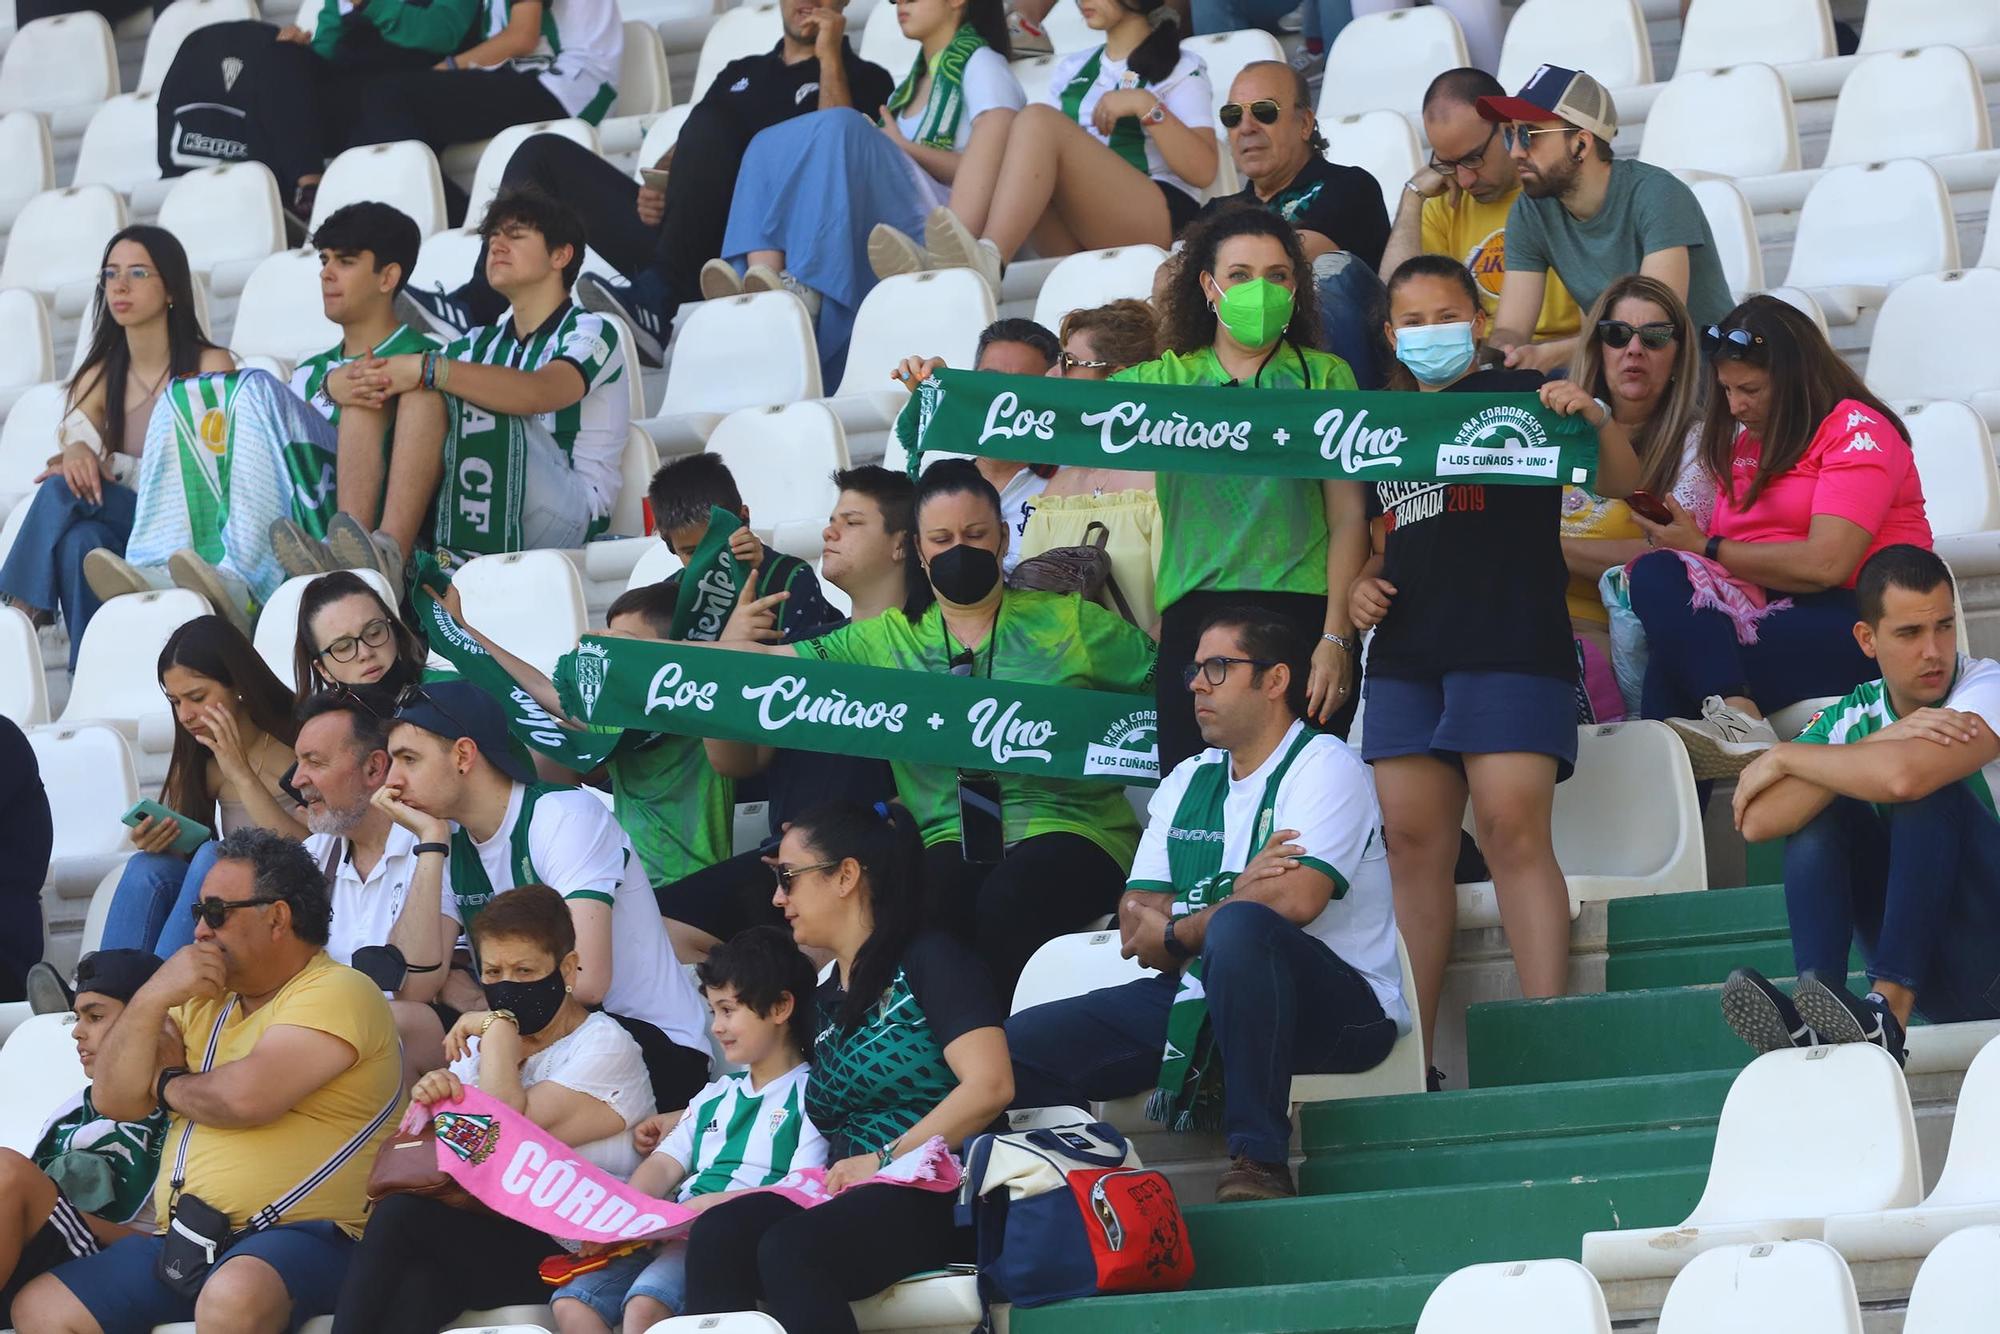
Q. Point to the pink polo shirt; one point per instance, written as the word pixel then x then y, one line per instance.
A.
pixel 1858 467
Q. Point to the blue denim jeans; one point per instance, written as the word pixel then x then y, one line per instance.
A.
pixel 1324 18
pixel 1915 885
pixel 1352 306
pixel 1281 1003
pixel 152 908
pixel 45 568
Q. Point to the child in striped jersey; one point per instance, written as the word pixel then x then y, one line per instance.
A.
pixel 740 1132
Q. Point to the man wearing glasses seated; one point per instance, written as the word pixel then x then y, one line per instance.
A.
pixel 1261 894
pixel 1275 142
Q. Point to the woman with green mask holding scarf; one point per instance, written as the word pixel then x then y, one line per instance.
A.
pixel 811 187
pixel 1230 317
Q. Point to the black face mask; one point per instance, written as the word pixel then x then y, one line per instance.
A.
pixel 379 696
pixel 964 574
pixel 534 1003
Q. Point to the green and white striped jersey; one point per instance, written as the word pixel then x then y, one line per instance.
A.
pixel 582 46
pixel 1975 688
pixel 309 380
pixel 590 432
pixel 738 1138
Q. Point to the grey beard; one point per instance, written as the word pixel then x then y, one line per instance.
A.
pixel 337 822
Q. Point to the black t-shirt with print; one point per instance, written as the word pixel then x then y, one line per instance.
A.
pixel 1478 571
pixel 756 92
pixel 1341 203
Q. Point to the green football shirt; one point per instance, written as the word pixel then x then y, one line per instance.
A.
pixel 1224 532
pixel 675 808
pixel 1975 689
pixel 309 379
pixel 1051 639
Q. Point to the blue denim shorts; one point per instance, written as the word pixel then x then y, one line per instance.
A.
pixel 660 1274
pixel 117 1286
pixel 1471 713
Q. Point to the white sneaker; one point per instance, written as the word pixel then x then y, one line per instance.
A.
pixel 952 245
pixel 891 252
pixel 719 280
pixel 764 278
pixel 1723 740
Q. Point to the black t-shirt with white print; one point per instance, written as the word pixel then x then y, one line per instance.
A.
pixel 756 92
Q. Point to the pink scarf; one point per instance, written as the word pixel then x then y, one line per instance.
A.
pixel 1717 589
pixel 520 1171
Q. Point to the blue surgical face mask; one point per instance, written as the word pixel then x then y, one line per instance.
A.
pixel 1436 353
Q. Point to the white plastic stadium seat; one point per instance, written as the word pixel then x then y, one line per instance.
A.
pixel 39 1071
pixel 741 352
pixel 1955 462
pixel 1382 143
pixel 1067 30
pixel 1789 1114
pixel 1383 62
pixel 636 467
pixel 278 621
pixel 28 436
pixel 404 174
pixel 1804 302
pixel 661 135
pixel 1097 277
pixel 528 602
pixel 1954 1289
pixel 732 1322
pixel 1900 25
pixel 1866 228
pixel 923 1303
pixel 1547 1296
pixel 120 145
pixel 27 357
pixel 1926 103
pixel 1225 54
pixel 445 260
pixel 1606 37
pixel 24 695
pixel 228 218
pixel 1735 232
pixel 783 459
pixel 748 30
pixel 62 66
pixel 642 74
pixel 1730 122
pixel 1776 32
pixel 89 775
pixel 883 43
pixel 170 29
pixel 1801 1287
pixel 939 314
pixel 1968 1190
pixel 58 241
pixel 656 564
pixel 27 162
pixel 114 680
pixel 1909 360
pixel 87 327
pixel 279 313
pixel 500 151
pixel 1989 252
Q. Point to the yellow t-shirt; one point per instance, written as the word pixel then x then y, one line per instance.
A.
pixel 1592 517
pixel 1476 233
pixel 242 1171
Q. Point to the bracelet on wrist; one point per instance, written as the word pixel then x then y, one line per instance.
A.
pixel 1341 642
pixel 441 849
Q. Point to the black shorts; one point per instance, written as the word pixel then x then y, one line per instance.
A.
pixel 65 1236
pixel 1181 207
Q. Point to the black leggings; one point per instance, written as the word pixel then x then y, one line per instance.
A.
pixel 420 1263
pixel 1180 633
pixel 1047 886
pixel 806 1265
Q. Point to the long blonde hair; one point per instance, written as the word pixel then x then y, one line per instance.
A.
pixel 1658 441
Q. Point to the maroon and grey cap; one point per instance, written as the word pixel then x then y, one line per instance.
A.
pixel 1555 93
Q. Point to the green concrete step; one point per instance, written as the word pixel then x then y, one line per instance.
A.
pixel 1713 917
pixel 1704 965
pixel 1360 1306
pixel 1620 1151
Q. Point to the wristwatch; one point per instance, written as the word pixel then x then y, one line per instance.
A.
pixel 493 1015
pixel 1176 950
pixel 166 1077
pixel 1156 115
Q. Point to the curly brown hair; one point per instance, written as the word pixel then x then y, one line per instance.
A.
pixel 1123 332
pixel 1187 321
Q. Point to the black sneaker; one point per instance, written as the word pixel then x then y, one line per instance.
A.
pixel 1837 1015
pixel 45 989
pixel 434 311
pixel 1762 1015
pixel 594 293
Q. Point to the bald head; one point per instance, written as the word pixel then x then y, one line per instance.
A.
pixel 1269 156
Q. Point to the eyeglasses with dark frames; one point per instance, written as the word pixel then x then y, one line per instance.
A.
pixel 346 648
pixel 216 911
pixel 1473 161
pixel 1264 109
pixel 1216 670
pixel 1617 333
pixel 787 874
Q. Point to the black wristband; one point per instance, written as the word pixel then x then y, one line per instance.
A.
pixel 1176 950
pixel 441 849
pixel 1714 547
pixel 166 1077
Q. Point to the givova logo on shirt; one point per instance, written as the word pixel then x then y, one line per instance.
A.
pixel 1499 439
pixel 1129 748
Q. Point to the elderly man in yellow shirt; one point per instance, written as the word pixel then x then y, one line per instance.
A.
pixel 280 1071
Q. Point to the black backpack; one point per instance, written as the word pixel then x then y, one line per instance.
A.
pixel 208 109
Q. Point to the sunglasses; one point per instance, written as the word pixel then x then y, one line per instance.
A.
pixel 1617 333
pixel 962 662
pixel 216 911
pixel 1517 136
pixel 1069 363
pixel 1216 670
pixel 1473 161
pixel 1730 344
pixel 344 649
pixel 787 874
pixel 1264 109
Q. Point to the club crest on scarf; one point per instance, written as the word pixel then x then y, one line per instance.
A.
pixel 473 1138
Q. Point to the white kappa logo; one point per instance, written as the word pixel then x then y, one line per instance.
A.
pixel 1862 443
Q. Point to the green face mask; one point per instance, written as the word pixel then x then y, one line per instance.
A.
pixel 1255 312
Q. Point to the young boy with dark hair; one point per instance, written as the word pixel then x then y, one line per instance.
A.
pixel 741 1132
pixel 684 491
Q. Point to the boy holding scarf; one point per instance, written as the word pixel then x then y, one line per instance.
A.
pixel 1265 849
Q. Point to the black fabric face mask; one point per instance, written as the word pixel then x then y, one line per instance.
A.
pixel 534 1003
pixel 964 574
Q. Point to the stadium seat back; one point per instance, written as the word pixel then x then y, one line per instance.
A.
pixel 1382 143
pixel 225 214
pixel 278 621
pixel 1989 252
pixel 1735 231
pixel 1517 1297
pixel 28 436
pixel 747 30
pixel 636 467
pixel 70 60
pixel 643 86
pixel 59 238
pixel 404 174
pixel 1225 54
pixel 941 311
pixel 1901 25
pixel 1954 453
pixel 1606 37
pixel 24 695
pixel 742 352
pixel 1971 1172
pixel 446 260
pixel 659 563
pixel 172 26
pixel 662 134
pixel 279 313
pixel 78 354
pixel 119 147
pixel 1732 122
pixel 1804 302
pixel 115 668
pixel 528 602
pixel 1874 225
pixel 883 43
pixel 87 771
pixel 27 357
pixel 307 19
pixel 1384 61
pixel 1908 359
pixel 733 1322
pixel 783 459
pixel 1719 33
pixel 1096 277
pixel 27 161
pixel 1802 1287
pixel 1067 31
pixel 500 150
pixel 1954 1289
pixel 1926 103
pixel 1034 73
pixel 1071 965
pixel 39 1072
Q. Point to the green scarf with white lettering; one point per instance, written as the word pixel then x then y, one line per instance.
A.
pixel 946 106
pixel 485 470
pixel 709 583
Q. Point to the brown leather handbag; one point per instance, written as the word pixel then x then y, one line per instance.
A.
pixel 1084 570
pixel 407 1165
